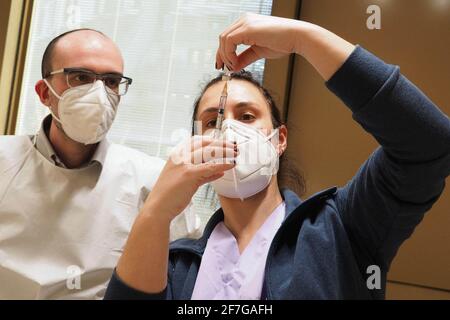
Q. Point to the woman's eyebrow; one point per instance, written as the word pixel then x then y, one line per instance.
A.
pixel 242 104
pixel 210 110
pixel 245 104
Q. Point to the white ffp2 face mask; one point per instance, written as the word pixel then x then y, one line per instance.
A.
pixel 256 163
pixel 87 112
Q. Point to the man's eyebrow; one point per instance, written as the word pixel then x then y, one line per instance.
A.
pixel 104 73
pixel 241 104
pixel 114 73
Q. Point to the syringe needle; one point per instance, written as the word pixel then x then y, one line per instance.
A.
pixel 221 111
pixel 223 101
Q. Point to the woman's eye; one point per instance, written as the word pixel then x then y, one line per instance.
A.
pixel 247 117
pixel 211 123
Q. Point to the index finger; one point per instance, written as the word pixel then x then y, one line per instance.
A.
pixel 220 57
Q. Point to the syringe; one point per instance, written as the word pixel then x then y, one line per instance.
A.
pixel 223 101
pixel 221 111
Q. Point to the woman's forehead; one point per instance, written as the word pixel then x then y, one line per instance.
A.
pixel 238 91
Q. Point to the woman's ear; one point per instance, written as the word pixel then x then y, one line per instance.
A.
pixel 282 139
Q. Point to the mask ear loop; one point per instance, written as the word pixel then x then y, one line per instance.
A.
pixel 268 138
pixel 58 96
pixel 52 90
pixel 236 187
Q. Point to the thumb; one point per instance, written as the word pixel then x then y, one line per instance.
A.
pixel 211 169
pixel 213 178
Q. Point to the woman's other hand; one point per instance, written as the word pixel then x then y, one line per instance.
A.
pixel 144 262
pixel 190 165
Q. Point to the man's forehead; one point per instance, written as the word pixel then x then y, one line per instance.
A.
pixel 86 47
pixel 87 39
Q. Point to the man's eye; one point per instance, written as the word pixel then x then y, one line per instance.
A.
pixel 83 78
pixel 112 82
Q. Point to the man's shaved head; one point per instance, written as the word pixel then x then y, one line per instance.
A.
pixel 90 35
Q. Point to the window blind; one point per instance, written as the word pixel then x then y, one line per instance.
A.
pixel 169 49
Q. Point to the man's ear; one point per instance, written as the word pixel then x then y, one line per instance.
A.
pixel 282 140
pixel 42 91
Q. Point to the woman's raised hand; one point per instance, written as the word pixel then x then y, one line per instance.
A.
pixel 268 37
pixel 273 37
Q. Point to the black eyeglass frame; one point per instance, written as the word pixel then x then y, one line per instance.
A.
pixel 98 76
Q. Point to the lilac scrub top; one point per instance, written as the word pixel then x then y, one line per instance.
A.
pixel 225 274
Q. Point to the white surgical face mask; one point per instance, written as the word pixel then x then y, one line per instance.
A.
pixel 87 112
pixel 256 163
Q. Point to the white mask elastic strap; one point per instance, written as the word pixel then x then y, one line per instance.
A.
pixel 270 136
pixel 54 116
pixel 236 186
pixel 52 90
pixel 49 108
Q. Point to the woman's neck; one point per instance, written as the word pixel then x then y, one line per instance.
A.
pixel 244 218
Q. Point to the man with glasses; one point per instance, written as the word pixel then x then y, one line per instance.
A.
pixel 68 197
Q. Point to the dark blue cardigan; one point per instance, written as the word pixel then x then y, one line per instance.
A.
pixel 327 243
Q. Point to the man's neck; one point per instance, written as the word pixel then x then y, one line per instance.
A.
pixel 245 218
pixel 73 154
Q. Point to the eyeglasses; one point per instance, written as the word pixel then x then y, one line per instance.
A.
pixel 77 77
